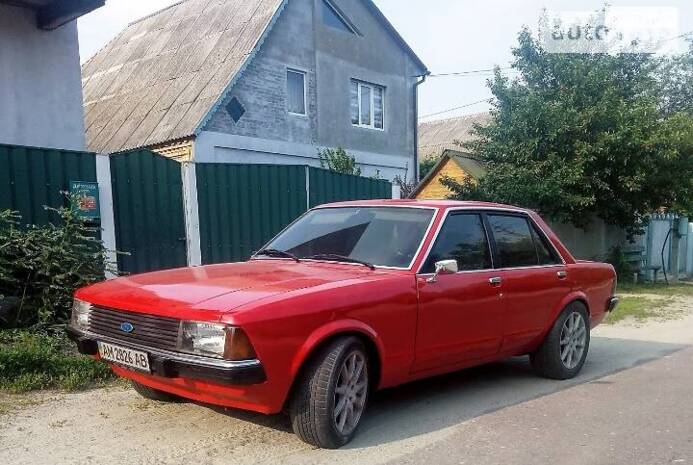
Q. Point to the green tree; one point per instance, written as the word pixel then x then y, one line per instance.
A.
pixel 577 135
pixel 339 161
pixel 426 165
pixel 675 78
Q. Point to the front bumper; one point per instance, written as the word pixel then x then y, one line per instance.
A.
pixel 177 365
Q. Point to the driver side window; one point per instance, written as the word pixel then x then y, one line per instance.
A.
pixel 462 238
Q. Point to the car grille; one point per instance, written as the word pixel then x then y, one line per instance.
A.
pixel 148 330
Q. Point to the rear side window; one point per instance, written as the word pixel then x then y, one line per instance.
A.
pixel 544 253
pixel 462 238
pixel 514 242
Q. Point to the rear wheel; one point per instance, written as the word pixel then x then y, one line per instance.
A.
pixel 331 397
pixel 563 352
pixel 154 394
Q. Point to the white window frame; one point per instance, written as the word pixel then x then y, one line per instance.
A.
pixel 372 87
pixel 291 69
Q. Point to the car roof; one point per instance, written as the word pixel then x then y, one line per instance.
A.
pixel 440 204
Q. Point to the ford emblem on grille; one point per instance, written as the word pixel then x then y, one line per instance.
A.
pixel 126 327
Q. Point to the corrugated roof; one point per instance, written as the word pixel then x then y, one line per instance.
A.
pixel 437 136
pixel 159 77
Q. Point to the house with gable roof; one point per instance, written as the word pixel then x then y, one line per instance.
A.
pixel 258 81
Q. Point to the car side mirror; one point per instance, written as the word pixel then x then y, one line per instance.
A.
pixel 444 267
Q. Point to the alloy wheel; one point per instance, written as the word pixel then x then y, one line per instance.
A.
pixel 573 340
pixel 350 393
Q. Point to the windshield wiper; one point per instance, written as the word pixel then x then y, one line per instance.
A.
pixel 278 253
pixel 340 258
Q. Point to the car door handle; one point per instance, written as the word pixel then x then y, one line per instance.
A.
pixel 496 280
pixel 562 274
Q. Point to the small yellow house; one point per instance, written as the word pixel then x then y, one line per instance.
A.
pixel 453 164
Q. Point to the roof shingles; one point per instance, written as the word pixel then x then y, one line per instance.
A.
pixel 159 77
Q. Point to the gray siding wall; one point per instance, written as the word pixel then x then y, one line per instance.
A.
pixel 40 83
pixel 331 58
pixel 261 88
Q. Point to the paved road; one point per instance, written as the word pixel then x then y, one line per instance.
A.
pixel 632 404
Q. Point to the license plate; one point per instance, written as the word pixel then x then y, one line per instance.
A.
pixel 124 356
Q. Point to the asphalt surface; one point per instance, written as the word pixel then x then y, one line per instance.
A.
pixel 639 416
pixel 632 404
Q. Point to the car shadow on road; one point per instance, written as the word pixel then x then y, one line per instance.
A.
pixel 433 404
pixel 430 405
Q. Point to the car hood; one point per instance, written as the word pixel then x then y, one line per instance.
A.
pixel 198 290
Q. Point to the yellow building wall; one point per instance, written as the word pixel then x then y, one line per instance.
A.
pixel 434 189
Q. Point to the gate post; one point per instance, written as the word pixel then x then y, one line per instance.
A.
pixel 191 213
pixel 108 235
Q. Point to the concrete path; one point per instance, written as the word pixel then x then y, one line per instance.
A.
pixel 632 404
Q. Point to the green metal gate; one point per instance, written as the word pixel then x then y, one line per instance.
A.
pixel 328 186
pixel 148 210
pixel 243 206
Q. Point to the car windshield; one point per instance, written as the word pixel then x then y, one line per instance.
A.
pixel 382 236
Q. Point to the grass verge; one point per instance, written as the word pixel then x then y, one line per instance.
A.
pixel 30 361
pixel 637 307
pixel 641 302
pixel 660 289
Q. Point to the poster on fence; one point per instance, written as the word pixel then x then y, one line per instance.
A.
pixel 87 194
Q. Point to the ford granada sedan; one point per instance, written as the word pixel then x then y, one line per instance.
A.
pixel 350 298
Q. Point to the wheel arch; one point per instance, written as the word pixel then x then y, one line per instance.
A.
pixel 333 330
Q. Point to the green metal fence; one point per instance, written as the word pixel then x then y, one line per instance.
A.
pixel 241 207
pixel 328 186
pixel 32 177
pixel 148 211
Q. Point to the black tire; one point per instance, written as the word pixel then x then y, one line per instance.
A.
pixel 547 360
pixel 312 404
pixel 154 394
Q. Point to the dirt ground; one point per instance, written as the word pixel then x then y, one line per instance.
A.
pixel 457 418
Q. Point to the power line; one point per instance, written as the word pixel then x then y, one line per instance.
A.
pixel 470 72
pixel 680 36
pixel 456 108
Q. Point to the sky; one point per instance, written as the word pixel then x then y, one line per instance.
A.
pixel 450 36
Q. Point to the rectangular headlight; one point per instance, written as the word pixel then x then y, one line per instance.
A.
pixel 199 338
pixel 214 340
pixel 80 314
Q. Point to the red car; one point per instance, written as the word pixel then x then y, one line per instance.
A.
pixel 350 298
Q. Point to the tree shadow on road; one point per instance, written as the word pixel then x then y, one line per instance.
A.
pixel 430 405
pixel 433 404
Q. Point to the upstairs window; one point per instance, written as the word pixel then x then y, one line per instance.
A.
pixel 332 17
pixel 296 92
pixel 367 105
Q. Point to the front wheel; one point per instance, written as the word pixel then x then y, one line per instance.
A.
pixel 563 352
pixel 331 395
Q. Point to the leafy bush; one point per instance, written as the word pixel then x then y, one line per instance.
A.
pixel 39 360
pixel 339 161
pixel 41 266
pixel 617 259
